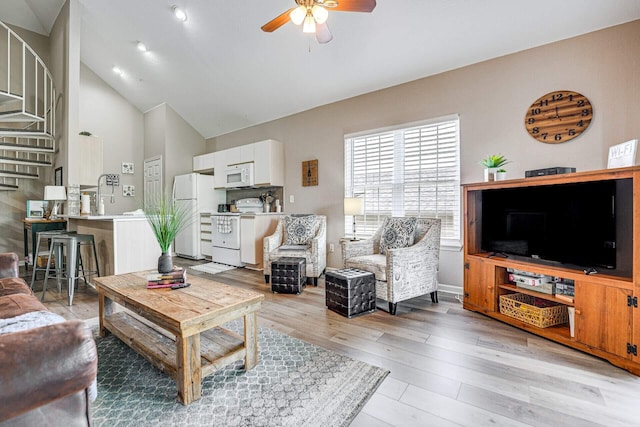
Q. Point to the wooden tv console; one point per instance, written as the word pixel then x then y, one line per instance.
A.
pixel 607 317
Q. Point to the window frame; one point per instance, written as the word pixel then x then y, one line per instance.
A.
pixel 367 224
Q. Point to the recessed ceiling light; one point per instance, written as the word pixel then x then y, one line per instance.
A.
pixel 141 47
pixel 179 13
pixel 118 71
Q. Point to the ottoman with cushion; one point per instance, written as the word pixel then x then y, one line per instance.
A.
pixel 299 236
pixel 288 275
pixel 350 292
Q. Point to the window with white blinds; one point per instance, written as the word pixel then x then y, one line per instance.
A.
pixel 413 170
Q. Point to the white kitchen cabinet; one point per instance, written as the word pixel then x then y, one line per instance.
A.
pixel 89 149
pixel 237 155
pixel 269 164
pixel 220 165
pixel 205 163
pixel 247 153
pixel 267 157
pixel 206 247
pixel 253 229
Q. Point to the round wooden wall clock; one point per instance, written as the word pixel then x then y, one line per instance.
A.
pixel 558 116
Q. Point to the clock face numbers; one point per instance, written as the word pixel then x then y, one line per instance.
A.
pixel 558 116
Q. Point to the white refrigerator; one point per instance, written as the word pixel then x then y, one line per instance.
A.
pixel 196 191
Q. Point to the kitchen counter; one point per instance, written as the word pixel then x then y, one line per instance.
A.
pixel 124 243
pixel 106 217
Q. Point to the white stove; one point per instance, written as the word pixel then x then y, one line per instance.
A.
pixel 225 232
pixel 249 205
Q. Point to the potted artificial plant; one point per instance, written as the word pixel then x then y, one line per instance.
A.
pixel 492 163
pixel 166 219
pixel 501 174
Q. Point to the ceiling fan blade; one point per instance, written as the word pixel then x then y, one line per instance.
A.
pixel 355 5
pixel 323 35
pixel 277 22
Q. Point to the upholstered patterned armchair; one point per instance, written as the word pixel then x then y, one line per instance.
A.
pixel 303 236
pixel 403 255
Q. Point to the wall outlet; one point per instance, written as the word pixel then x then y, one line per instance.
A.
pixel 291 198
pixel 332 248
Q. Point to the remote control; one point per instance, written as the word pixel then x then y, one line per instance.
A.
pixel 180 285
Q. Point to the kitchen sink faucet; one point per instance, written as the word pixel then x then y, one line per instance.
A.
pixel 112 180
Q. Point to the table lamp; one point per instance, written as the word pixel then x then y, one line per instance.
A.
pixel 353 206
pixel 54 193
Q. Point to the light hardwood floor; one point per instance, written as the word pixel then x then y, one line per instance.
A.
pixel 449 367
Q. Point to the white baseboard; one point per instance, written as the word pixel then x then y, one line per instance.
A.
pixel 450 289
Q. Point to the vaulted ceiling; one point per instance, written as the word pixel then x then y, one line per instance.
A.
pixel 222 73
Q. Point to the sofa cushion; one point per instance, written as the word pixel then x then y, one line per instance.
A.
pixel 376 264
pixel 397 233
pixel 300 230
pixel 14 285
pixel 15 305
pixel 31 320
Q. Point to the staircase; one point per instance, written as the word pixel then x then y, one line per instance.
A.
pixel 27 112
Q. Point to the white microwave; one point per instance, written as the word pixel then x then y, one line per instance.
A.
pixel 239 176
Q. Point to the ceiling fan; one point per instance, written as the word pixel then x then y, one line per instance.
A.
pixel 313 15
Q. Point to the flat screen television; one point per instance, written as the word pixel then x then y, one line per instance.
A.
pixel 585 226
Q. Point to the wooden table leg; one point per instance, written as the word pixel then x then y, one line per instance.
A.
pixel 105 308
pixel 189 374
pixel 250 340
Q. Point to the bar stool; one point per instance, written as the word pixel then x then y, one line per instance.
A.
pixel 73 244
pixel 47 235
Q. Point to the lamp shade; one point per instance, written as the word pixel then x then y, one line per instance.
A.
pixel 353 206
pixel 55 192
pixel 298 14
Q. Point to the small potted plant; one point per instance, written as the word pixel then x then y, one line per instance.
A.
pixel 166 219
pixel 501 174
pixel 492 163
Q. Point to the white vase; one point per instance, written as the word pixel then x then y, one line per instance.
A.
pixel 501 176
pixel 490 174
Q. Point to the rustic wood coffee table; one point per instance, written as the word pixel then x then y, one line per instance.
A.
pixel 178 330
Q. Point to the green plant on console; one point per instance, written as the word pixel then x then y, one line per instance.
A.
pixel 494 161
pixel 501 171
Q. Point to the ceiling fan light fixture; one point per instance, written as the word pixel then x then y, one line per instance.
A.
pixel 179 13
pixel 309 24
pixel 330 3
pixel 298 14
pixel 320 14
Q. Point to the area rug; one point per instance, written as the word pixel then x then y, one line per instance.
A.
pixel 294 384
pixel 212 268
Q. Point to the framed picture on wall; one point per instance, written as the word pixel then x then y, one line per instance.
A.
pixel 127 168
pixel 57 176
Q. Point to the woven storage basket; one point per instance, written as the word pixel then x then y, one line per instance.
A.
pixel 533 310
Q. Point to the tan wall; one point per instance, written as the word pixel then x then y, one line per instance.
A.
pixel 182 143
pixel 491 98
pixel 120 125
pixel 169 135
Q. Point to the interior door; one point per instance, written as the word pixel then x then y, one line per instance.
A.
pixel 152 179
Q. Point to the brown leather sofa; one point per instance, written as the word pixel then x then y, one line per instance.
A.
pixel 45 372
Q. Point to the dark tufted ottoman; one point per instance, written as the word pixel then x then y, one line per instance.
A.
pixel 350 292
pixel 288 275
